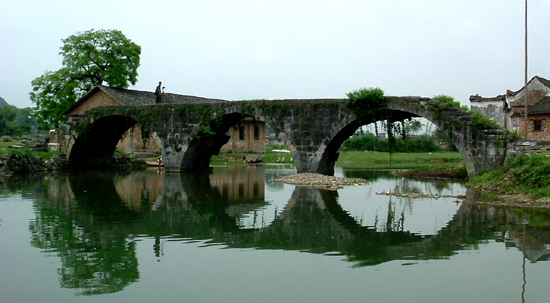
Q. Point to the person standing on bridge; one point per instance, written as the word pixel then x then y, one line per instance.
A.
pixel 158 92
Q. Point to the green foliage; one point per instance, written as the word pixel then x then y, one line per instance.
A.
pixel 366 103
pixel 90 58
pixel 370 142
pixel 480 119
pixel 31 154
pixel 533 171
pixel 530 175
pixel 17 122
pixel 269 107
pixel 441 135
pixel 446 102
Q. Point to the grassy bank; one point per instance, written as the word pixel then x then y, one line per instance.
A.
pixel 520 175
pixel 369 159
pixel 360 159
pixel 14 148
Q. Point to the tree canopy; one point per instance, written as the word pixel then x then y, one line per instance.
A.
pixel 17 122
pixel 367 101
pixel 90 58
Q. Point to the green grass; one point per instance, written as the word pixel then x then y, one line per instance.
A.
pixel 358 159
pixel 4 145
pixel 45 155
pixel 269 157
pixel 529 176
pixel 7 148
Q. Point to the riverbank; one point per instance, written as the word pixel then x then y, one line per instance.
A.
pixel 505 186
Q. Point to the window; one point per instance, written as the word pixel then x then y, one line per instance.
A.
pixel 256 133
pixel 515 122
pixel 538 125
pixel 241 133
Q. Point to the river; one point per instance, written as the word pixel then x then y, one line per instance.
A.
pixel 232 235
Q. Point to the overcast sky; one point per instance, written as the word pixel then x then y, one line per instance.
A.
pixel 281 49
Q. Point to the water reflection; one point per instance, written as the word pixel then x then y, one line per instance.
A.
pixel 91 221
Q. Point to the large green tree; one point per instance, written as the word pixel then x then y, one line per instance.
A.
pixel 90 58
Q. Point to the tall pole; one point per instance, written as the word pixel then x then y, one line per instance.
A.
pixel 526 91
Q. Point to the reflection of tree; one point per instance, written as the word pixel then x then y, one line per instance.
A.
pixel 95 255
pixel 96 262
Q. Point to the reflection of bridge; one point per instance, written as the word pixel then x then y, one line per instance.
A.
pixel 189 206
pixel 93 215
pixel 193 129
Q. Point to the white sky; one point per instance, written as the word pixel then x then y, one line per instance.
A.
pixel 239 49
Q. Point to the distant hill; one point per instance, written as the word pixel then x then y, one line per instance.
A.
pixel 3 102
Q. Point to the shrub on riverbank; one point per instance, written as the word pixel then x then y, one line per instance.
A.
pixel 526 175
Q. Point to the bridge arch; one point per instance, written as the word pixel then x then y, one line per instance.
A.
pixel 208 141
pixel 481 146
pixel 94 146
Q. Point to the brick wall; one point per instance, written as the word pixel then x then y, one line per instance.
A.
pixel 247 136
pixel 98 99
pixel 131 141
pixel 542 132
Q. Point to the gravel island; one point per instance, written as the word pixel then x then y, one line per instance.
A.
pixel 319 181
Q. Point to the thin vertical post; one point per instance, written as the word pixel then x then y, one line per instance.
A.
pixel 526 90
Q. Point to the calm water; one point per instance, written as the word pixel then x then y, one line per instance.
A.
pixel 235 236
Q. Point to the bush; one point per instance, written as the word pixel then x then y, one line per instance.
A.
pixel 367 103
pixel 529 175
pixel 370 142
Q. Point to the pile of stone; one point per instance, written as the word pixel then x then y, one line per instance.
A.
pixel 35 142
pixel 26 163
pixel 124 161
pixel 320 181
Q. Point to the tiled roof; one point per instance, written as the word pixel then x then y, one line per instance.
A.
pixel 542 107
pixel 137 97
pixel 544 82
pixel 478 98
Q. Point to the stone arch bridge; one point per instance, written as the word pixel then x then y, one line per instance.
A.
pixel 189 133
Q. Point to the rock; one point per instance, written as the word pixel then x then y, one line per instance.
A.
pixel 57 162
pixel 25 162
